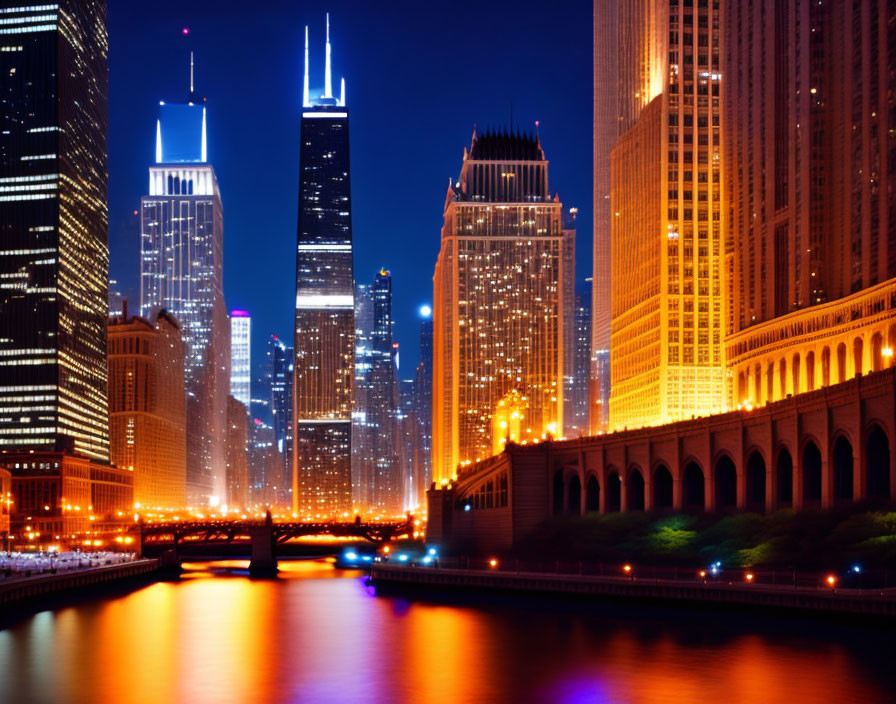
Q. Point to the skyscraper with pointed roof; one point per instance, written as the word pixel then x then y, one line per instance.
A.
pixel 324 319
pixel 498 314
pixel 181 270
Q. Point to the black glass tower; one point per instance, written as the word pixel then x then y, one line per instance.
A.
pixel 324 321
pixel 53 226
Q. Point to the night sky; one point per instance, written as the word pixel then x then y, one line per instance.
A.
pixel 418 75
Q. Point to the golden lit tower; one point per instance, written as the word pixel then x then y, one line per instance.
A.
pixel 499 304
pixel 667 217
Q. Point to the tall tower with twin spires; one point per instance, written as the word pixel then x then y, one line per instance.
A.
pixel 325 319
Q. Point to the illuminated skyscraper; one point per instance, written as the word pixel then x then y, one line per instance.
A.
pixel 576 400
pixel 324 320
pixel 667 216
pixel 181 270
pixel 280 371
pixel 498 302
pixel 422 469
pixel 810 120
pixel 241 357
pixel 376 473
pixel 53 227
pixel 147 407
pixel 237 449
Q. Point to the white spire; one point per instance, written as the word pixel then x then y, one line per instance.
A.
pixel 342 93
pixel 306 99
pixel 328 81
pixel 191 74
pixel 158 141
pixel 204 141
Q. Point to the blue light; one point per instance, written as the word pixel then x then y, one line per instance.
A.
pixel 366 558
pixel 351 556
pixel 857 569
pixel 427 560
pixel 466 507
pixel 403 558
pixel 432 551
pixel 425 311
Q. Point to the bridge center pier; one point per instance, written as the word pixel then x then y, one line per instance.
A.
pixel 263 562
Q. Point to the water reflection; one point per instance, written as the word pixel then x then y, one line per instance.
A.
pixel 317 634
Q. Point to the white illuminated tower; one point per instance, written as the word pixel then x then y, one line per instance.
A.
pixel 241 357
pixel 181 270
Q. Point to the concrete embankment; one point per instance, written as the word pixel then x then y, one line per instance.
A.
pixel 878 602
pixel 25 589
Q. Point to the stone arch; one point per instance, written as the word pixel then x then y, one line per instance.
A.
pixel 877 462
pixel 693 487
pixel 574 496
pixel 592 494
pixel 725 481
pixel 634 490
pixel 842 464
pixel 663 493
pixel 858 349
pixel 558 492
pixel 826 366
pixel 877 349
pixel 811 471
pixel 841 362
pixel 784 478
pixel 810 371
pixel 756 481
pixel 795 373
pixel 613 487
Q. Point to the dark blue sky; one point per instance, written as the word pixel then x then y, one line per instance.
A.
pixel 418 76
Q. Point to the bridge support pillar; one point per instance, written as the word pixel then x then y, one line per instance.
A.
pixel 263 562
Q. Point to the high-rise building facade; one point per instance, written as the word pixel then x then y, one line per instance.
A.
pixel 181 270
pixel 324 319
pixel 53 227
pixel 422 469
pixel 377 476
pixel 809 115
pixel 147 407
pixel 280 371
pixel 498 302
pixel 237 448
pixel 241 357
pixel 577 398
pixel 666 196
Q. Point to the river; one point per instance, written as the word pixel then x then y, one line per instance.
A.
pixel 316 634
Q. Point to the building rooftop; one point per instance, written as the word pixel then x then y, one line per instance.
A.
pixel 504 145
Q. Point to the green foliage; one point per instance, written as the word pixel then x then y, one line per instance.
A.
pixel 805 539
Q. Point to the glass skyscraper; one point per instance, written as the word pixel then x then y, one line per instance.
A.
pixel 324 320
pixel 377 478
pixel 280 373
pixel 181 270
pixel 241 357
pixel 53 227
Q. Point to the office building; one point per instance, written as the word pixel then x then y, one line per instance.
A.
pixel 53 227
pixel 241 357
pixel 499 301
pixel 147 407
pixel 812 174
pixel 668 218
pixel 237 453
pixel 181 270
pixel 324 318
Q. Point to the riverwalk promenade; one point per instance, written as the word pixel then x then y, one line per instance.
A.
pixel 22 588
pixel 879 602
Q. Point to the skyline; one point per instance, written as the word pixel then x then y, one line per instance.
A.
pixel 249 259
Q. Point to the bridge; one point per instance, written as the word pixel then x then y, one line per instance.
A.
pixel 262 538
